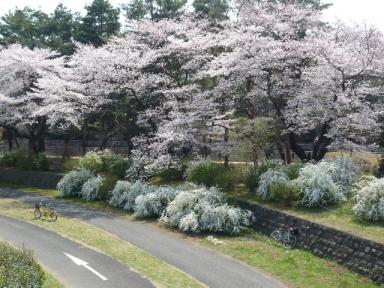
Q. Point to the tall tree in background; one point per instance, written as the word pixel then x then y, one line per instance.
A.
pixel 217 9
pixel 100 23
pixel 154 9
pixel 26 26
pixel 63 28
pixel 34 28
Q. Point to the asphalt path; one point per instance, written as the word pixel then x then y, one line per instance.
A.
pixel 72 264
pixel 205 265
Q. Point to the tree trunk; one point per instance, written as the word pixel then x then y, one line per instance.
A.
pixel 32 144
pixel 226 138
pixel 67 138
pixel 288 153
pixel 85 139
pixel 103 144
pixel 10 137
pixel 281 151
pixel 299 151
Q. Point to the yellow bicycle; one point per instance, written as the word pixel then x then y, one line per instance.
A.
pixel 42 211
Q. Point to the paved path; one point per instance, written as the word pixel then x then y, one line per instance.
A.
pixel 50 248
pixel 206 265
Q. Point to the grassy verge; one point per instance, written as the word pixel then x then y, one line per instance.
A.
pixel 51 282
pixel 339 217
pixel 159 272
pixel 296 268
pixel 53 193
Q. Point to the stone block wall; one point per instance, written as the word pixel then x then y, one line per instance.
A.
pixel 358 254
pixel 33 178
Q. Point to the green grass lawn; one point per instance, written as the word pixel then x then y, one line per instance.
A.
pixel 296 268
pixel 50 281
pixel 339 217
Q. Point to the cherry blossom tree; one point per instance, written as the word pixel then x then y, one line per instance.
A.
pixel 271 51
pixel 20 69
pixel 340 93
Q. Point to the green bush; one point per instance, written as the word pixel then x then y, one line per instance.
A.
pixel 253 176
pixel 286 193
pixel 104 161
pixel 292 170
pixel 18 268
pixel 22 160
pixel 91 161
pixel 380 169
pixel 213 174
pixel 174 173
pixel 114 163
pixel 9 159
pixel 40 162
pixel 108 185
pixel 70 164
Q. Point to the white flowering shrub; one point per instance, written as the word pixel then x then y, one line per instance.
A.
pixel 140 169
pixel 344 172
pixel 189 223
pixel 124 194
pixel 71 184
pixel 91 189
pixel 370 201
pixel 203 209
pixel 268 179
pixel 153 204
pixel 224 218
pixel 316 185
pixel 119 194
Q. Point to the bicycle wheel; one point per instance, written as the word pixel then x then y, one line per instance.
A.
pixel 37 214
pixel 276 235
pixel 289 241
pixel 53 216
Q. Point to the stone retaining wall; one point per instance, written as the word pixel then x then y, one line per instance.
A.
pixel 360 255
pixel 33 178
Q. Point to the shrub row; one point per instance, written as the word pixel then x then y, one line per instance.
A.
pixel 21 160
pixel 330 181
pixel 189 208
pixel 312 185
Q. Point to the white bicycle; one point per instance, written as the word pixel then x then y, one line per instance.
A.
pixel 287 238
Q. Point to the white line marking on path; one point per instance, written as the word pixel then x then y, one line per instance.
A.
pixel 80 262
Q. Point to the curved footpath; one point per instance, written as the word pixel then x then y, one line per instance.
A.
pixel 72 264
pixel 205 265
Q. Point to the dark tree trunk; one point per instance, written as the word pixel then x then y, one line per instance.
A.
pixel 84 143
pixel 32 143
pixel 103 144
pixel 10 136
pixel 321 144
pixel 67 138
pixel 226 138
pixel 288 153
pixel 299 151
pixel 40 144
pixel 281 151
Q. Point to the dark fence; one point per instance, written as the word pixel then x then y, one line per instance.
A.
pixel 358 254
